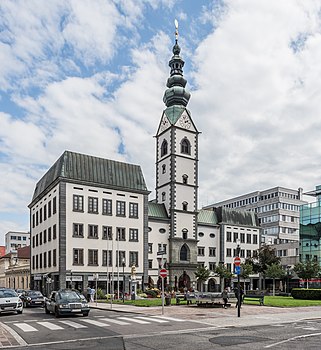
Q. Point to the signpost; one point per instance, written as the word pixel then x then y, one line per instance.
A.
pixel 163 274
pixel 237 263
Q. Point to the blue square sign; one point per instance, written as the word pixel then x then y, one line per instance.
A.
pixel 237 270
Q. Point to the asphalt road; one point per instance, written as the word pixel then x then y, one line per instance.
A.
pixel 118 331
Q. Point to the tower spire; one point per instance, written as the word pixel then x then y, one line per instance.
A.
pixel 176 94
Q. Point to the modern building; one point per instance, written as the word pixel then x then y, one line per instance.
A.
pixel 278 210
pixel 91 219
pixel 15 240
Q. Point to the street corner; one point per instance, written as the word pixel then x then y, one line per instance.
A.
pixel 9 338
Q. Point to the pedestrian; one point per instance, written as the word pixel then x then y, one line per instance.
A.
pixel 236 291
pixel 225 298
pixel 92 294
pixel 88 293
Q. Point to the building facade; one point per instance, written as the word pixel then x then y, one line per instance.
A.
pixel 15 240
pixel 278 210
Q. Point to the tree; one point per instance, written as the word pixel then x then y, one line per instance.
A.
pixel 266 256
pixel 246 271
pixel 202 274
pixel 223 273
pixel 274 271
pixel 307 270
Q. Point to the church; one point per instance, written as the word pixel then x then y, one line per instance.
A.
pixel 91 221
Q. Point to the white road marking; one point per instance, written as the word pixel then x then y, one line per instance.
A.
pixel 112 320
pixel 171 319
pixel 96 323
pixel 51 326
pixel 154 319
pixel 73 324
pixel 293 338
pixel 130 319
pixel 26 327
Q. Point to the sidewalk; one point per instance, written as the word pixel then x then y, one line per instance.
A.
pixel 251 315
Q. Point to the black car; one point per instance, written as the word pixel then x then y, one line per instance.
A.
pixel 32 298
pixel 66 302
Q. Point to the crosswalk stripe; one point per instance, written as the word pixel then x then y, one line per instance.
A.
pixel 112 320
pixel 26 327
pixel 96 323
pixel 171 319
pixel 151 319
pixel 73 324
pixel 133 320
pixel 51 326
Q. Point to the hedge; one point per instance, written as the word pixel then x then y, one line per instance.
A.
pixel 306 294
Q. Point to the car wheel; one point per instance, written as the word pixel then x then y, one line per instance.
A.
pixel 19 312
pixel 47 311
pixel 85 314
pixel 57 314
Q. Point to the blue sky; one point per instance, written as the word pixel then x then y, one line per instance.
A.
pixel 89 76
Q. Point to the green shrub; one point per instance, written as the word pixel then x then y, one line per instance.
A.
pixel 100 294
pixel 306 294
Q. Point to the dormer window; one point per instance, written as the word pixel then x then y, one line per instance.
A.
pixel 185 146
pixel 185 177
pixel 164 148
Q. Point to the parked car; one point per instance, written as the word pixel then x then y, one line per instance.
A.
pixel 66 302
pixel 32 298
pixel 10 301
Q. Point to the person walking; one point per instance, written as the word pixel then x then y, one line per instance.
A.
pixel 225 298
pixel 236 291
pixel 88 293
pixel 92 295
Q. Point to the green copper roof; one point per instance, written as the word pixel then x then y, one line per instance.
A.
pixel 173 113
pixel 207 217
pixel 95 171
pixel 236 217
pixel 156 210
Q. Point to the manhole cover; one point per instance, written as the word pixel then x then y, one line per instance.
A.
pixel 235 340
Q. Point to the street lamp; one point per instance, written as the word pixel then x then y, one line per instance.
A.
pixel 123 264
pixel 287 278
pixel 238 249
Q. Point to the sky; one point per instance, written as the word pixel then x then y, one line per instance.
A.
pixel 89 76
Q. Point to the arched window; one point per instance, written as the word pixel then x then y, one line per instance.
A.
pixel 163 168
pixel 164 148
pixel 185 146
pixel 184 204
pixel 163 196
pixel 184 232
pixel 184 252
pixel 185 177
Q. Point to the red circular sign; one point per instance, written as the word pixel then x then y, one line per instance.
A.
pixel 237 261
pixel 163 273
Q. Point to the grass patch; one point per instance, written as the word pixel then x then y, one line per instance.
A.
pixel 285 302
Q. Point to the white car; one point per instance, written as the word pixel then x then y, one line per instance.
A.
pixel 10 301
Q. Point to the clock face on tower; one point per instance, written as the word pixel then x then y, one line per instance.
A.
pixel 185 122
pixel 164 124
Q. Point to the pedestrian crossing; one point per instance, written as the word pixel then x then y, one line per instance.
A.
pixel 104 322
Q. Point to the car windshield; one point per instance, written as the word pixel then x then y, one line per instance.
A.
pixel 35 293
pixel 8 293
pixel 68 296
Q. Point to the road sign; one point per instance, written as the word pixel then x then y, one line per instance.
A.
pixel 237 261
pixel 161 252
pixel 237 270
pixel 163 273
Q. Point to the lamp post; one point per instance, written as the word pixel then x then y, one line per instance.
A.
pixel 287 278
pixel 123 264
pixel 238 248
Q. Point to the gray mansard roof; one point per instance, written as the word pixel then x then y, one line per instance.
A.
pixel 85 169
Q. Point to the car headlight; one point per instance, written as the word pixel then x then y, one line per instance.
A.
pixel 64 306
pixel 28 299
pixel 19 304
pixel 85 305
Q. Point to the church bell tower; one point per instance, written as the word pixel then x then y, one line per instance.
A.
pixel 177 173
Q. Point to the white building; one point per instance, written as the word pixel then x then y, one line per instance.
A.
pixel 90 215
pixel 15 240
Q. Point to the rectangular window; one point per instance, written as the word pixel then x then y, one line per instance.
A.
pixel 133 210
pixel 165 248
pixel 93 257
pixel 40 260
pixel 242 237
pixel 107 207
pixel 120 257
pixel 254 239
pixel 150 263
pixel 54 231
pixel 37 240
pixel 40 215
pixel 242 253
pixel 133 235
pixel 33 262
pixel 229 266
pixel 37 261
pixel 45 236
pixel 107 256
pixel 45 212
pixel 40 238
pixel 212 266
pixel 235 236
pixel 133 258
pixel 37 218
pixel 92 231
pixel 120 208
pixel 248 253
pixel 49 258
pixel 121 234
pixel 54 257
pixel 54 205
pixel 201 251
pixel 107 232
pixel 49 209
pixel 150 248
pixel 33 241
pixel 229 252
pixel 45 259
pixel 212 251
pixel 78 256
pixel 33 221
pixel 78 230
pixel 78 203
pixel 93 205
pixel 248 238
pixel 49 234
pixel 228 236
